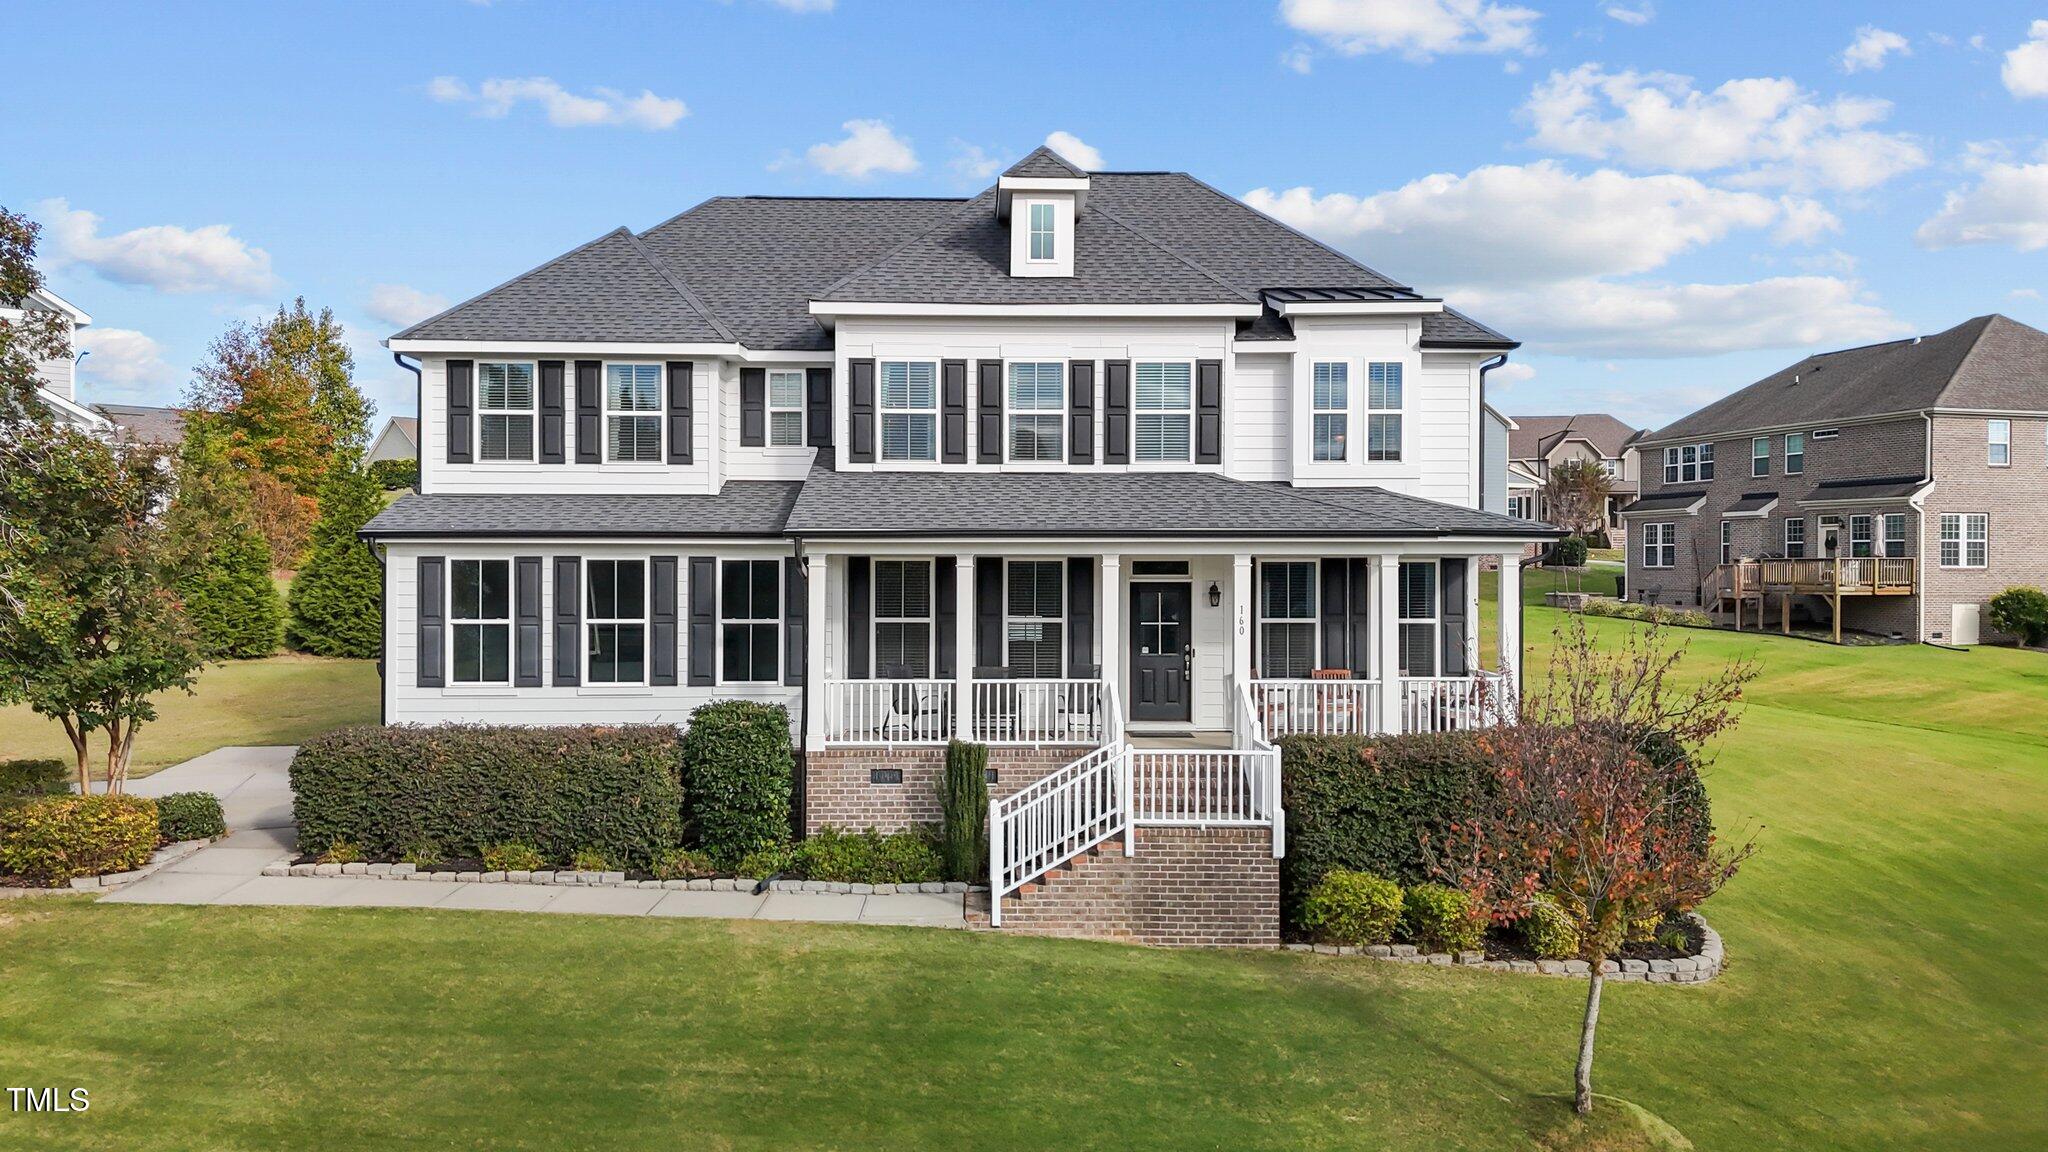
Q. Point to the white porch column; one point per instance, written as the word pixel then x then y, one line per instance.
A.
pixel 1242 642
pixel 1386 595
pixel 817 630
pixel 964 617
pixel 1511 619
pixel 1110 619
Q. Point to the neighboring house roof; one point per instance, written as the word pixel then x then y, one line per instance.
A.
pixel 744 508
pixel 146 424
pixel 1865 491
pixel 1535 436
pixel 1990 362
pixel 1045 163
pixel 926 504
pixel 1753 504
pixel 408 426
pixel 1668 500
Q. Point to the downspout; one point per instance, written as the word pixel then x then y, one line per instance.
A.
pixel 384 580
pixel 1489 366
pixel 418 398
pixel 799 821
pixel 1920 546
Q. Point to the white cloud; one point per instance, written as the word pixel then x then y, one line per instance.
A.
pixel 163 256
pixel 805 5
pixel 122 361
pixel 1510 374
pixel 869 147
pixel 1077 153
pixel 2026 67
pixel 1507 224
pixel 1299 59
pixel 2025 293
pixel 1417 29
pixel 1635 15
pixel 972 162
pixel 1763 132
pixel 1643 320
pixel 1803 221
pixel 2007 205
pixel 605 107
pixel 1866 53
pixel 401 306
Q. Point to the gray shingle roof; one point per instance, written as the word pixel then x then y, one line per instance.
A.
pixel 1877 488
pixel 1988 362
pixel 1124 505
pixel 1451 328
pixel 1668 501
pixel 1754 502
pixel 1045 163
pixel 1533 436
pixel 146 424
pixel 754 508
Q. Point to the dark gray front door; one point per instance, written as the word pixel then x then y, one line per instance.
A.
pixel 1162 651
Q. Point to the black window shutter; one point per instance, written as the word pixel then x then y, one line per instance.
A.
pixel 945 617
pixel 859 609
pixel 429 668
pixel 1335 622
pixel 796 609
pixel 860 411
pixel 1081 412
pixel 682 399
pixel 953 411
pixel 1361 613
pixel 661 617
pixel 1080 616
pixel 1208 411
pixel 988 611
pixel 1116 412
pixel 703 660
pixel 1452 613
pixel 527 623
pixel 461 404
pixel 753 407
pixel 989 429
pixel 551 412
pixel 818 406
pixel 568 621
pixel 589 413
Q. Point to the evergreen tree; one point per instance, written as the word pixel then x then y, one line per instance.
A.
pixel 229 598
pixel 337 599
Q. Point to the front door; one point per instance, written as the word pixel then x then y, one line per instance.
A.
pixel 1162 651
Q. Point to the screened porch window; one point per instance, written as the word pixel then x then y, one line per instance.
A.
pixel 1418 618
pixel 504 411
pixel 615 621
pixel 1035 618
pixel 1287 620
pixel 903 619
pixel 1038 402
pixel 632 402
pixel 1165 417
pixel 480 609
pixel 910 410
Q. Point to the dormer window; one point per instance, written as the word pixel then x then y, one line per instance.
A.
pixel 1043 225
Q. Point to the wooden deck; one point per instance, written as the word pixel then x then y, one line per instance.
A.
pixel 1752 581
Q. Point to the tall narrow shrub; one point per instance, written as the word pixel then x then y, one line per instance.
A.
pixel 737 767
pixel 963 799
pixel 337 598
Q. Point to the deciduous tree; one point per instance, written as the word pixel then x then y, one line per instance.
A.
pixel 36 336
pixel 1575 494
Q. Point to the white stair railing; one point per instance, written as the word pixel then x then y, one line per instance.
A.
pixel 1054 819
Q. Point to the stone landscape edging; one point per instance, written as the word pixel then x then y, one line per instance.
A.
pixel 1684 970
pixel 163 857
pixel 571 878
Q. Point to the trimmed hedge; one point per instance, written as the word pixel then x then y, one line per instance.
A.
pixel 50 839
pixel 1352 908
pixel 1441 919
pixel 738 763
pixel 34 778
pixel 460 788
pixel 190 816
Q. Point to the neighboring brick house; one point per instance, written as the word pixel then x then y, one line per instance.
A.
pixel 1922 464
pixel 1536 444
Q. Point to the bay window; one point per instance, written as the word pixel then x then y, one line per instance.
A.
pixel 480 615
pixel 910 410
pixel 750 621
pixel 1287 619
pixel 1332 404
pixel 1165 411
pixel 504 411
pixel 632 404
pixel 1037 411
pixel 615 621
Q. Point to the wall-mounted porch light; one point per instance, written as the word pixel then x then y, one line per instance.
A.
pixel 1215 595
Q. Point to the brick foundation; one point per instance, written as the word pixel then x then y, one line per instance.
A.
pixel 1215 887
pixel 839 789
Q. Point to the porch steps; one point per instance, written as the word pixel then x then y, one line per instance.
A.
pixel 1212 887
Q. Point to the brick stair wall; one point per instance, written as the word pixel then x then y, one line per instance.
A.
pixel 1202 887
pixel 839 790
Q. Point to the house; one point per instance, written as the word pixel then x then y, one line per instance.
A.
pixel 58 391
pixel 145 424
pixel 1889 489
pixel 1541 443
pixel 1105 470
pixel 400 440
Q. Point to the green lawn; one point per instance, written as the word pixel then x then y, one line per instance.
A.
pixel 1884 991
pixel 281 700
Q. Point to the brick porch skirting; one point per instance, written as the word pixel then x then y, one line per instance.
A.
pixel 841 785
pixel 1206 887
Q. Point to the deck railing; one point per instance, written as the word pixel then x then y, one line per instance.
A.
pixel 1846 575
pixel 1315 707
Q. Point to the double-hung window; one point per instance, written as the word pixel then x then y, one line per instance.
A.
pixel 1894 535
pixel 786 407
pixel 504 411
pixel 1965 539
pixel 1418 608
pixel 1287 619
pixel 615 621
pixel 480 613
pixel 1038 403
pixel 1383 412
pixel 632 407
pixel 903 619
pixel 1332 402
pixel 1795 453
pixel 1795 538
pixel 1998 443
pixel 1706 455
pixel 1165 417
pixel 1660 545
pixel 1760 456
pixel 1042 232
pixel 1727 542
pixel 1690 463
pixel 910 410
pixel 750 621
pixel 1859 537
pixel 1035 618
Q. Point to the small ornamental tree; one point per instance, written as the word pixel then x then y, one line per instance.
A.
pixel 1590 800
pixel 336 600
pixel 225 577
pixel 1575 493
pixel 2022 612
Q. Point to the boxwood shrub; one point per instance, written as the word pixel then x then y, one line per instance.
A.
pixel 50 839
pixel 190 816
pixel 460 788
pixel 1353 908
pixel 738 762
pixel 1440 919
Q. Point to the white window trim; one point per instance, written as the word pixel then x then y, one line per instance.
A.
pixel 1660 535
pixel 1399 411
pixel 718 648
pixel 1790 455
pixel 1759 464
pixel 1009 566
pixel 1341 411
pixel 771 408
pixel 1789 522
pixel 1963 521
pixel 1194 387
pixel 478 412
pixel 1998 434
pixel 1885 537
pixel 929 619
pixel 1011 411
pixel 1675 464
pixel 1434 619
pixel 883 412
pixel 1315 576
pixel 606 412
pixel 511 610
pixel 1868 523
pixel 1052 231
pixel 1727 542
pixel 646 625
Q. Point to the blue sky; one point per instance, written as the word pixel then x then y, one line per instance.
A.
pixel 1663 200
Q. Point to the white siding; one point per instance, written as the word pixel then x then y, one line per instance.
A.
pixel 757 463
pixel 1446 437
pixel 1440 407
pixel 58 376
pixel 1259 417
pixel 1493 464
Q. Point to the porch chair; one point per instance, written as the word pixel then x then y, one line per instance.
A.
pixel 916 711
pixel 1340 709
pixel 1001 723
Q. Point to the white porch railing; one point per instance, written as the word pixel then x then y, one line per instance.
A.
pixel 888 711
pixel 1315 707
pixel 1039 712
pixel 1454 703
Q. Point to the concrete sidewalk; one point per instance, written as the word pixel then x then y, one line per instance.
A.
pixel 255 791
